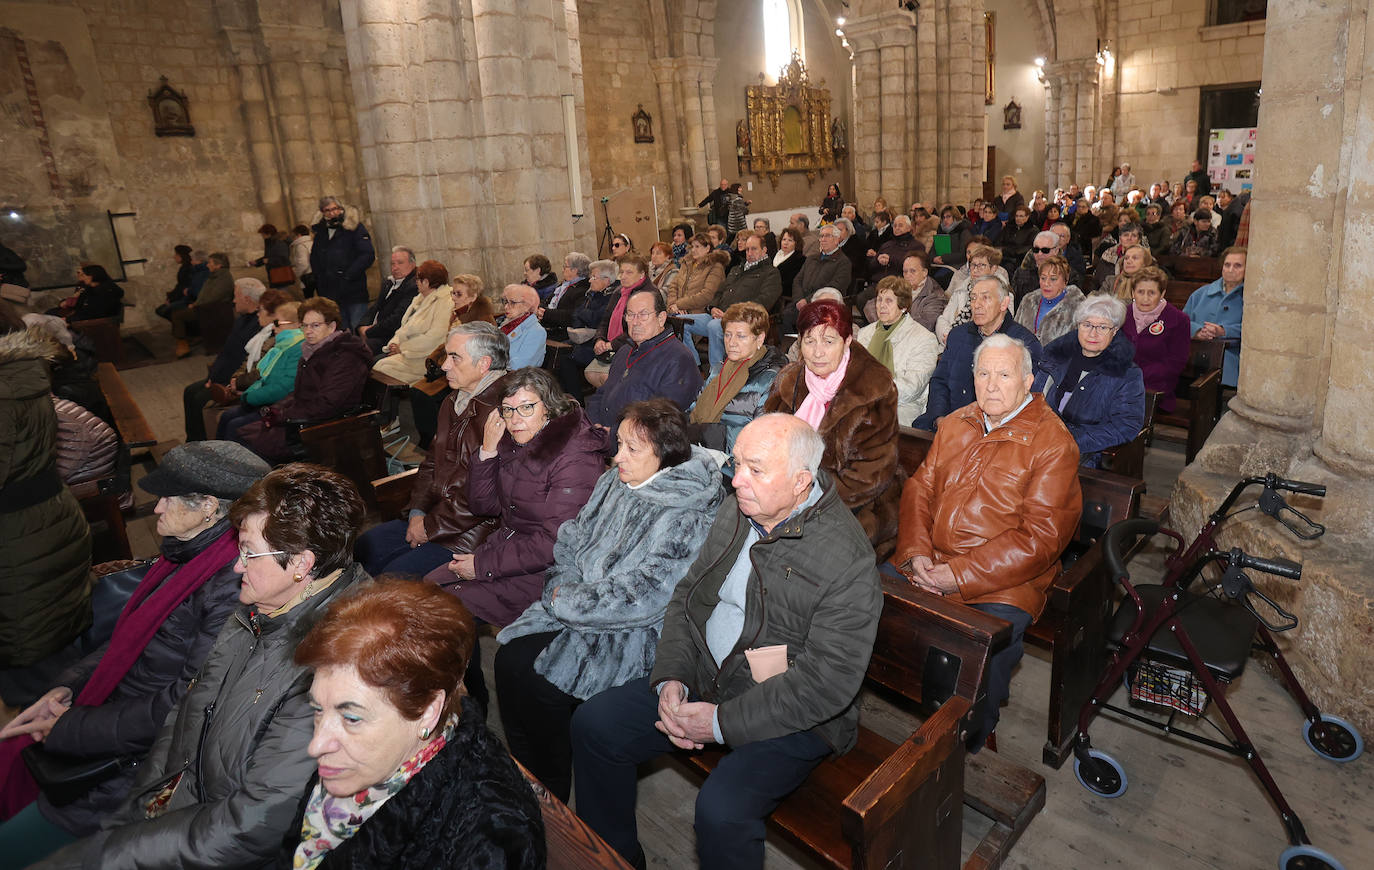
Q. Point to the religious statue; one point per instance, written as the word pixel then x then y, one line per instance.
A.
pixel 742 138
pixel 839 138
pixel 644 125
pixel 1011 115
pixel 171 112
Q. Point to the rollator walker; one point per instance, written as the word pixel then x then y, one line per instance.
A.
pixel 1180 643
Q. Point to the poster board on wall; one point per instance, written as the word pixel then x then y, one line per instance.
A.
pixel 1231 158
pixel 635 213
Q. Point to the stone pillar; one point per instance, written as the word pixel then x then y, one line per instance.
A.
pixel 703 169
pixel 1303 406
pixel 267 170
pixel 293 127
pixel 884 142
pixel 1087 124
pixel 1054 87
pixel 665 76
pixel 347 133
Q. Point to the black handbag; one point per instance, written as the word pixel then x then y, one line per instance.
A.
pixel 65 778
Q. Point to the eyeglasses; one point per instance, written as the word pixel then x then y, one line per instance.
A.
pixel 1099 328
pixel 639 315
pixel 245 555
pixel 283 322
pixel 525 410
pixel 317 325
pixel 1043 250
pixel 505 300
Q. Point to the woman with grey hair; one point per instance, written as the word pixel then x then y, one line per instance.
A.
pixel 109 705
pixel 582 323
pixel 1093 381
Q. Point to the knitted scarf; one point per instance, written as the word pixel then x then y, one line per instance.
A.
pixel 880 345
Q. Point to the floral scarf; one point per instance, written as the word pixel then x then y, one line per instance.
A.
pixel 330 820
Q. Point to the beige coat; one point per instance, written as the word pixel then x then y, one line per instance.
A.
pixel 423 326
pixel 914 352
pixel 697 282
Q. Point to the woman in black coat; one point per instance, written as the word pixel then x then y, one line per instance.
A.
pixel 97 296
pixel 408 774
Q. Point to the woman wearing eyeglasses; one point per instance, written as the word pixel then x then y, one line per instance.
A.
pixel 423 326
pixel 1094 383
pixel 104 710
pixel 230 765
pixel 276 373
pixel 539 460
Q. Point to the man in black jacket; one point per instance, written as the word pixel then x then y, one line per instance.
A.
pixel 247 292
pixel 383 318
pixel 339 259
pixel 786 572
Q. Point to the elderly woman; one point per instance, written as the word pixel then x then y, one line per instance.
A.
pixel 699 279
pixel 1160 333
pixel 538 274
pixel 1050 313
pixel 230 762
pixel 928 298
pixel 103 711
pixel 789 258
pixel 1135 258
pixel 275 373
pixel 851 400
pixel 519 322
pixel 905 347
pixel 602 292
pixel 423 326
pixel 615 566
pixel 539 459
pixel 738 387
pixel 329 380
pixel 983 260
pixel 1093 381
pixel 407 774
pixel 662 268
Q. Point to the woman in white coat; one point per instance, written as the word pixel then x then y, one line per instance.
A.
pixel 907 348
pixel 423 327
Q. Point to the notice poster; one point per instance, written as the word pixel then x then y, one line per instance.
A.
pixel 1231 158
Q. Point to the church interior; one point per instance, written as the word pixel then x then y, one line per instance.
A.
pixel 480 132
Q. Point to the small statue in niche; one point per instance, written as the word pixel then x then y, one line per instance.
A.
pixel 742 139
pixel 644 125
pixel 1011 115
pixel 839 138
pixel 171 112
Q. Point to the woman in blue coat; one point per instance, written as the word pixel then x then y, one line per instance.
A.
pixel 1093 381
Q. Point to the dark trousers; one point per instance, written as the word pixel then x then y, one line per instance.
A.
pixel 985 716
pixel 424 409
pixel 614 731
pixel 235 418
pixel 536 714
pixel 193 401
pixel 383 549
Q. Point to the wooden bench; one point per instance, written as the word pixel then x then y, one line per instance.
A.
pixel 351 446
pixel 570 844
pixel 214 322
pixel 103 333
pixel 384 393
pixel 1198 394
pixel 1187 274
pixel 129 420
pixel 99 501
pixel 1073 624
pixel 1128 459
pixel 888 804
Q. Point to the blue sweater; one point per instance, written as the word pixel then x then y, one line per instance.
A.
pixel 1212 303
pixel 661 366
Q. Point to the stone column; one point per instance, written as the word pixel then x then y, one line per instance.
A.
pixel 267 170
pixel 1303 406
pixel 293 127
pixel 665 76
pixel 1054 86
pixel 884 141
pixel 702 167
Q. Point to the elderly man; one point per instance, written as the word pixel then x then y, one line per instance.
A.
pixel 776 684
pixel 763 228
pixel 988 513
pixel 952 384
pixel 217 287
pixel 521 326
pixel 888 258
pixel 1123 183
pixel 828 267
pixel 754 280
pixel 1078 264
pixel 811 240
pixel 476 357
pixel 652 364
pixel 247 292
pixel 556 315
pixel 339 258
pixel 717 203
pixel 1199 176
pixel 1026 279
pixel 384 316
pixel 1216 310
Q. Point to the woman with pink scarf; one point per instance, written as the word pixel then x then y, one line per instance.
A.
pixel 851 400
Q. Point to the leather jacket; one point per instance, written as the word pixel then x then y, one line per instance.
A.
pixel 998 508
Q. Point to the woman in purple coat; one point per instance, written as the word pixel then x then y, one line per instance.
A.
pixel 539 461
pixel 1160 332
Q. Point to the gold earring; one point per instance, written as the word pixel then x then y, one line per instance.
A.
pixel 297 578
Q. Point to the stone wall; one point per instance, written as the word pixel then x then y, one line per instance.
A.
pixel 1019 152
pixel 1166 54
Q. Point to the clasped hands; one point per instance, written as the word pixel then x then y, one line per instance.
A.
pixel 926 574
pixel 687 724
pixel 38 720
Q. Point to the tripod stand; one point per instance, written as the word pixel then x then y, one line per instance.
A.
pixel 606 232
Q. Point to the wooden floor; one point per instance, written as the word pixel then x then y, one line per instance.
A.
pixel 1187 807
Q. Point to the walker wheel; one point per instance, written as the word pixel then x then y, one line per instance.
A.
pixel 1333 738
pixel 1307 858
pixel 1101 774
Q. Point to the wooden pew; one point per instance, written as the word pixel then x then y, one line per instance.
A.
pixel 351 446
pixel 393 494
pixel 1072 626
pixel 129 420
pixel 99 500
pixel 886 804
pixel 1128 459
pixel 214 322
pixel 570 844
pixel 1199 396
pixel 384 393
pixel 1187 274
pixel 103 333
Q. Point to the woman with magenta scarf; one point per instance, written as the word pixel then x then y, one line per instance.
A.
pixel 112 703
pixel 851 400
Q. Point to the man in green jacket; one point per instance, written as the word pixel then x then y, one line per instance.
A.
pixel 763 650
pixel 218 287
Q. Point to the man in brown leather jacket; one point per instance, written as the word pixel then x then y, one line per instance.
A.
pixel 987 515
pixel 476 356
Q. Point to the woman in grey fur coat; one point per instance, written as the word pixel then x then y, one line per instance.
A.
pixel 615 566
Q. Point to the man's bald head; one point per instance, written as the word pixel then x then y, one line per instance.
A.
pixel 776 459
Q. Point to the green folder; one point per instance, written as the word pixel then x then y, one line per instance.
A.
pixel 941 245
